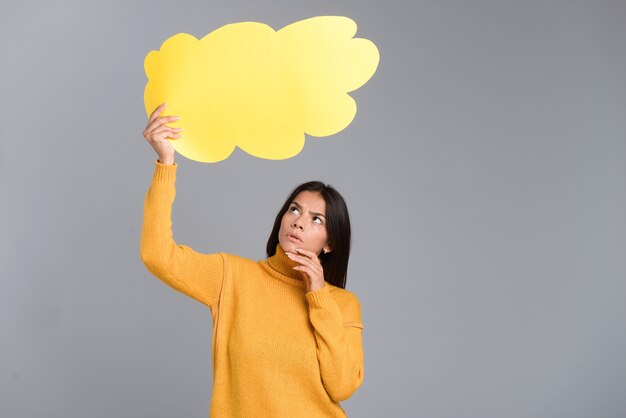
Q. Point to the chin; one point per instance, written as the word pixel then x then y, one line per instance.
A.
pixel 289 246
pixel 286 246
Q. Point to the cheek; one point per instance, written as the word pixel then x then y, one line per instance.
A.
pixel 284 224
pixel 321 235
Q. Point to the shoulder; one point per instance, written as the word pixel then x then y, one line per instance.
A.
pixel 236 259
pixel 341 293
pixel 236 263
pixel 348 302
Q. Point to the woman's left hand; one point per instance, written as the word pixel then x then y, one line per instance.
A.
pixel 310 267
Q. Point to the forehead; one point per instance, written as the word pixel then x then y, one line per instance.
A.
pixel 311 200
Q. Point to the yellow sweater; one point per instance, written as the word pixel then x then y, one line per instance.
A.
pixel 278 350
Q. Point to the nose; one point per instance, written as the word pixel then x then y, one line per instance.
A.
pixel 297 223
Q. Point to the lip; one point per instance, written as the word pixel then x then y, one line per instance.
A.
pixel 294 237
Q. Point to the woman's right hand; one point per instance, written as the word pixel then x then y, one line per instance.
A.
pixel 158 135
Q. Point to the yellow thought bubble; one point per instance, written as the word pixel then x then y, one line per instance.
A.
pixel 245 85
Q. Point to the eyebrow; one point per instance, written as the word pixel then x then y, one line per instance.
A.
pixel 313 213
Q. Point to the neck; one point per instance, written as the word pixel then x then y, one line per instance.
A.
pixel 284 265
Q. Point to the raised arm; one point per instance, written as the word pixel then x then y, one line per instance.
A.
pixel 195 274
pixel 179 266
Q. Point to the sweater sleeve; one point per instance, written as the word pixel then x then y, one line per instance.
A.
pixel 338 332
pixel 195 274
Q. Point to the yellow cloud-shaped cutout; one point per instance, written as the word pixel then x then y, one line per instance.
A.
pixel 261 90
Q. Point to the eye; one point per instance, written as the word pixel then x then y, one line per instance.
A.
pixel 293 209
pixel 317 220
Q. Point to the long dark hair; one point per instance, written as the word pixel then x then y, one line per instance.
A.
pixel 335 262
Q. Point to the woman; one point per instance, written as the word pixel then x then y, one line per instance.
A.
pixel 287 336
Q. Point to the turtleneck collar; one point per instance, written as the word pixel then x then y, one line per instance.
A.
pixel 283 265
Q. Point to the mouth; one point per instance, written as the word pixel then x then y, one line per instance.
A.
pixel 294 237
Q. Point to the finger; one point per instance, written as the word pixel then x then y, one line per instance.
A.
pixel 161 120
pixel 306 252
pixel 309 254
pixel 164 132
pixel 303 270
pixel 157 111
pixel 308 276
pixel 160 130
pixel 298 258
pixel 305 275
pixel 164 128
pixel 304 261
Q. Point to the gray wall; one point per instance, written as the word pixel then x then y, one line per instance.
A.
pixel 485 174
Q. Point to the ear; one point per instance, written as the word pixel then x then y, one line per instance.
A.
pixel 327 248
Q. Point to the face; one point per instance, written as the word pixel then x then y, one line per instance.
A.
pixel 304 224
